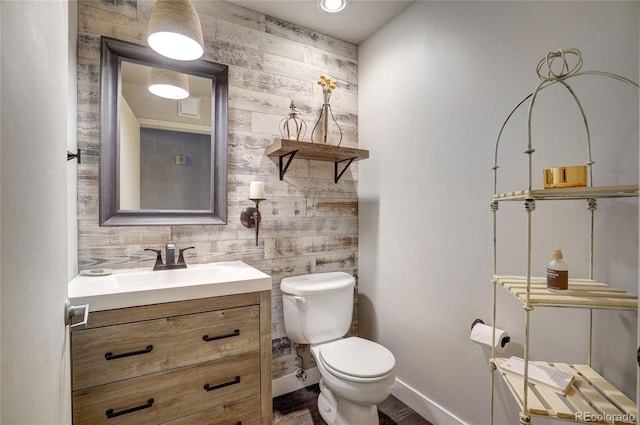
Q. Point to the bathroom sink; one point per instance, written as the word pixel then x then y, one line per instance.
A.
pixel 211 273
pixel 135 287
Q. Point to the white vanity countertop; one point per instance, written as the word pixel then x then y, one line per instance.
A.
pixel 135 287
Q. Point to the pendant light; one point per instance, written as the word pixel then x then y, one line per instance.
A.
pixel 168 84
pixel 175 30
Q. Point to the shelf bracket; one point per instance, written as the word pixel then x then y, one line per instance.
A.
pixel 283 169
pixel 338 175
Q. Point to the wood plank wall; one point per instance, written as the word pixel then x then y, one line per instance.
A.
pixel 309 223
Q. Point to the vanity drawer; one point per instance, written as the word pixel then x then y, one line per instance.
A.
pixel 245 412
pixel 169 395
pixel 113 353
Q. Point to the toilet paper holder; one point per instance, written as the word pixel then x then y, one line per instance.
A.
pixel 504 341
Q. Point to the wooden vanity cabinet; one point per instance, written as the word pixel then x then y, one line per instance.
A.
pixel 195 362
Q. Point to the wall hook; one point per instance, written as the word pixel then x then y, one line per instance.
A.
pixel 77 155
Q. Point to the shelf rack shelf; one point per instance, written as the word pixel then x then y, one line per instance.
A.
pixel 590 399
pixel 286 150
pixel 582 293
pixel 628 191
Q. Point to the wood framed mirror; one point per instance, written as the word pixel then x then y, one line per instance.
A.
pixel 162 161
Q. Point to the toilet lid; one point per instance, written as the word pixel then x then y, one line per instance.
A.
pixel 316 283
pixel 357 357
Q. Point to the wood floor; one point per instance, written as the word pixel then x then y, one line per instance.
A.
pixel 300 408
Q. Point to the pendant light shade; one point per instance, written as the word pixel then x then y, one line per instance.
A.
pixel 175 30
pixel 168 84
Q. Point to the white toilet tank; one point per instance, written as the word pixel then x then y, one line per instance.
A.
pixel 317 307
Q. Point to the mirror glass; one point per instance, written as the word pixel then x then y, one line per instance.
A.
pixel 162 161
pixel 165 144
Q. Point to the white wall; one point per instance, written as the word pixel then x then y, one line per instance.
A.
pixel 72 142
pixel 435 85
pixel 35 131
pixel 1 61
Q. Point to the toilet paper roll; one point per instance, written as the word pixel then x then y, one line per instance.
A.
pixel 481 334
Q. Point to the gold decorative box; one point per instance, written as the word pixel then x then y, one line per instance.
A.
pixel 571 176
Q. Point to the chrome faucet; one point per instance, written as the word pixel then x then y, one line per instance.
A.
pixel 170 257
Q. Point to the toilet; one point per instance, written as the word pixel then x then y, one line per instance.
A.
pixel 356 374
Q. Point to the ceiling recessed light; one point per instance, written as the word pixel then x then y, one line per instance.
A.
pixel 332 6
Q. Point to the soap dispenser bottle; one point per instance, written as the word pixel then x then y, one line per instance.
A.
pixel 557 272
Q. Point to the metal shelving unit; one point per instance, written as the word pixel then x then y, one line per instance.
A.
pixel 591 399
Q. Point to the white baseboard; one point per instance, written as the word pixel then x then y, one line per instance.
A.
pixel 289 383
pixel 424 406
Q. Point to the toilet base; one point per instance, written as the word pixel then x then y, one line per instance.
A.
pixel 338 411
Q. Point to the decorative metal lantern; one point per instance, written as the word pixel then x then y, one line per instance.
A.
pixel 292 127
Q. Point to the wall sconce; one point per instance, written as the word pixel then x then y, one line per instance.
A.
pixel 250 216
pixel 168 84
pixel 175 30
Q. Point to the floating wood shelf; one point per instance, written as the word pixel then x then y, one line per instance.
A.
pixel 571 193
pixel 590 399
pixel 582 293
pixel 288 149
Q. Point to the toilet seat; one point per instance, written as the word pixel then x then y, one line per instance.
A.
pixel 357 359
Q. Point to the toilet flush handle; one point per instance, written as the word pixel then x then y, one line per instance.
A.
pixel 299 299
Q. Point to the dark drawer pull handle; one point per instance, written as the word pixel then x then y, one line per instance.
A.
pixel 213 338
pixel 112 414
pixel 236 380
pixel 111 356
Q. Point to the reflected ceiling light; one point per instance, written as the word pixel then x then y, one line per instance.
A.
pixel 332 6
pixel 175 30
pixel 168 84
